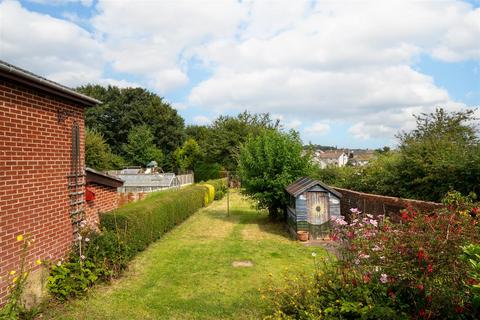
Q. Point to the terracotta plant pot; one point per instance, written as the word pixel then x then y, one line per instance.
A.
pixel 302 235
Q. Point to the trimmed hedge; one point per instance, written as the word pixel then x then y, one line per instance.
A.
pixel 210 195
pixel 140 223
pixel 220 186
pixel 144 222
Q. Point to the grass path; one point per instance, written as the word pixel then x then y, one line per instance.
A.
pixel 189 275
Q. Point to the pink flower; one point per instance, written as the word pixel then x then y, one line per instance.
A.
pixel 383 278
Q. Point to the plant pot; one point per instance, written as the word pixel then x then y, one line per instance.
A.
pixel 302 235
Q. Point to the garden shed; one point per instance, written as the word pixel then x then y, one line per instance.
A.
pixel 312 204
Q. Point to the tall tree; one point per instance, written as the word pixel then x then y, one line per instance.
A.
pixel 188 155
pixel 98 154
pixel 268 163
pixel 123 109
pixel 140 148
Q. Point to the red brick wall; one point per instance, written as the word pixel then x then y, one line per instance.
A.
pixel 106 199
pixel 381 205
pixel 35 158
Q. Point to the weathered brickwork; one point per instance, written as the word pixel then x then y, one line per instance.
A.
pixel 106 199
pixel 35 159
pixel 381 205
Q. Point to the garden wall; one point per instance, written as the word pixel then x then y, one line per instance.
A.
pixel 381 205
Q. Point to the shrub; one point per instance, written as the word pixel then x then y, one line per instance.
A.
pixel 95 257
pixel 220 186
pixel 210 194
pixel 414 268
pixel 141 223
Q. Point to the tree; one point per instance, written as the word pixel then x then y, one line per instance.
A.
pixel 268 163
pixel 98 154
pixel 123 109
pixel 188 155
pixel 441 154
pixel 140 148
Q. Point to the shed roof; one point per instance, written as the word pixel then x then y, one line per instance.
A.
pixel 305 183
pixel 12 72
pixel 102 178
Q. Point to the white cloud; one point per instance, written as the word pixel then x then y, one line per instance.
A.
pixel 154 38
pixel 318 128
pixel 54 48
pixel 201 120
pixel 304 60
pixel 342 61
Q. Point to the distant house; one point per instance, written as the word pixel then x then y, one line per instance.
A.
pixel 361 157
pixel 335 158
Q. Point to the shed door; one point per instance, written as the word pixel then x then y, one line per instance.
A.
pixel 317 207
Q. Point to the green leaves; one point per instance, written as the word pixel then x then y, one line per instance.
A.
pixel 268 163
pixel 140 148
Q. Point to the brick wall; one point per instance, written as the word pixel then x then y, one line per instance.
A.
pixel 375 204
pixel 35 158
pixel 106 199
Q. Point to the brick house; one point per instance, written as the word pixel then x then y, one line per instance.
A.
pixel 41 167
pixel 101 194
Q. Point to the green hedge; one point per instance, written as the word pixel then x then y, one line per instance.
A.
pixel 143 222
pixel 220 186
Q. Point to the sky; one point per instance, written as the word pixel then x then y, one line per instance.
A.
pixel 342 73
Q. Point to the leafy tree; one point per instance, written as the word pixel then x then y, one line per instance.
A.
pixel 207 171
pixel 123 109
pixel 98 154
pixel 140 148
pixel 268 163
pixel 229 133
pixel 441 154
pixel 188 155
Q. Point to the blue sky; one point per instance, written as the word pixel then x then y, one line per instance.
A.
pixel 349 74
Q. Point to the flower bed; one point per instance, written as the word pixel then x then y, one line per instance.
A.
pixel 414 269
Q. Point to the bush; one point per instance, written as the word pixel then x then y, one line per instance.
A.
pixel 141 223
pixel 220 186
pixel 416 269
pixel 95 257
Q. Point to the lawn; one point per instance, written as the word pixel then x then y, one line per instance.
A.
pixel 189 274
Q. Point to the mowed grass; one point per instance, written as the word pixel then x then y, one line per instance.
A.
pixel 189 275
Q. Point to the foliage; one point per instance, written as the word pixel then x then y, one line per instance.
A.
pixel 140 148
pixel 95 257
pixel 207 171
pixel 413 269
pixel 440 155
pixel 98 154
pixel 123 109
pixel 268 163
pixel 17 279
pixel 222 139
pixel 471 254
pixel 187 156
pixel 329 295
pixel 139 224
pixel 220 186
